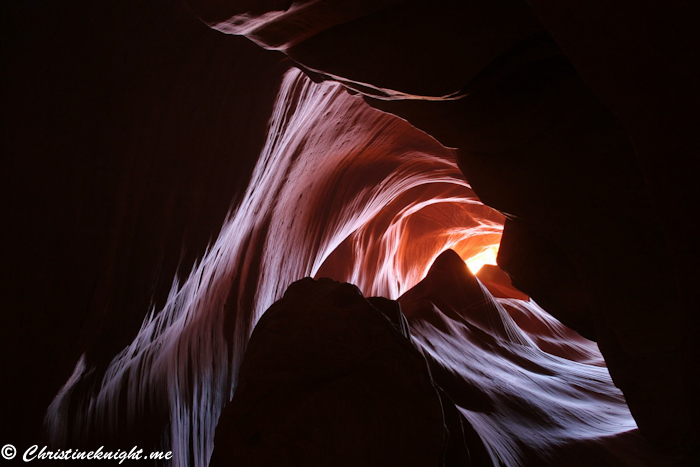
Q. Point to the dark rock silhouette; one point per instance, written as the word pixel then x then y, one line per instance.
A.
pixel 327 379
pixel 330 377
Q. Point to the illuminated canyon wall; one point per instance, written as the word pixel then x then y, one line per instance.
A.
pixel 343 190
pixel 340 190
pixel 552 126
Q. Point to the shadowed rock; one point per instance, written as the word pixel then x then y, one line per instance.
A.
pixel 327 379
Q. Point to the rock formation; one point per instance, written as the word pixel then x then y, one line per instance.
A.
pixel 570 165
pixel 330 377
pixel 153 219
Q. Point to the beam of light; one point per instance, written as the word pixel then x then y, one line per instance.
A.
pixel 479 260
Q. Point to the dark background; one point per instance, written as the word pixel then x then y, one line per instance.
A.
pixel 129 128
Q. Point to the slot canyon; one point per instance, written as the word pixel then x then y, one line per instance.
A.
pixel 388 233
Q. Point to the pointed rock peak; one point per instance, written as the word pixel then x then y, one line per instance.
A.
pixel 450 269
pixel 448 260
pixel 449 285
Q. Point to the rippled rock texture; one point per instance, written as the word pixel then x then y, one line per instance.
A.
pixel 135 129
pixel 560 115
pixel 373 210
pixel 446 375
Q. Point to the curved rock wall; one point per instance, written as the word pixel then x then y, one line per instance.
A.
pixel 340 189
